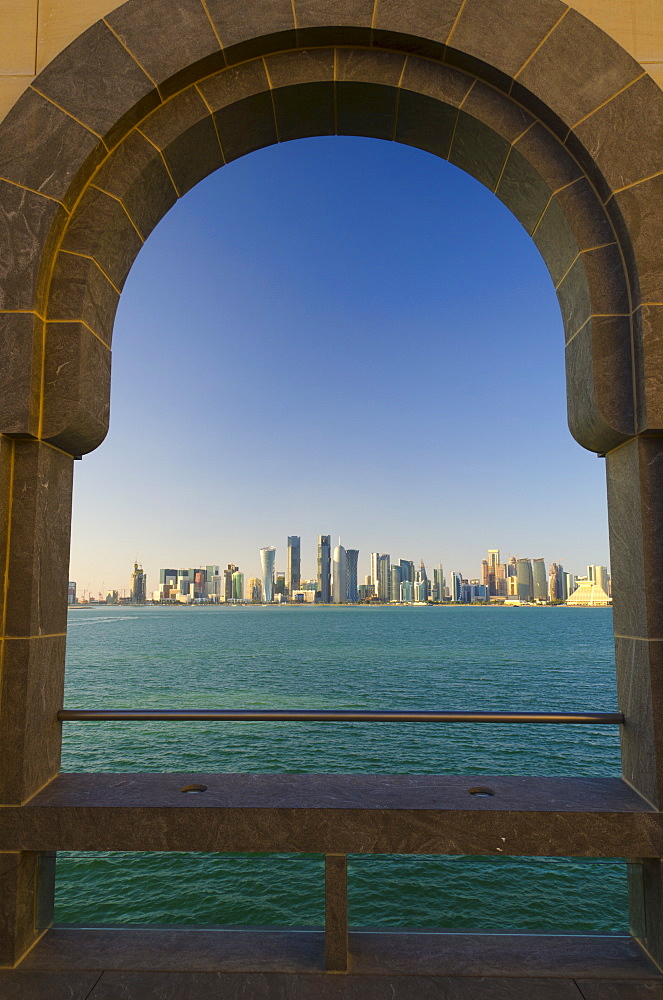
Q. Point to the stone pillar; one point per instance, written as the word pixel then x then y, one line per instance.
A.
pixel 35 513
pixel 635 508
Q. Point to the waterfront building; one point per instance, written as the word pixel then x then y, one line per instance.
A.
pixel 512 567
pixel 421 591
pixel 569 585
pixel 555 583
pixel 352 558
pixel 588 594
pixel 113 597
pixel 384 577
pixel 228 581
pixel 280 589
pixel 254 590
pixel 599 576
pixel 183 582
pixel 267 561
pixel 540 580
pixel 525 579
pixel 71 592
pixel 455 587
pixel 438 584
pixel 395 583
pixel 138 585
pixel 339 576
pixel 293 571
pixel 324 568
pixel 487 578
pixel 407 592
pixel 501 586
pixel 238 586
pixel 374 570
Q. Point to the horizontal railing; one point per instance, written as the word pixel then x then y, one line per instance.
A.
pixel 328 715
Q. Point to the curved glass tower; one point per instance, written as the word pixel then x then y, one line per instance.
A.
pixel 267 562
pixel 339 576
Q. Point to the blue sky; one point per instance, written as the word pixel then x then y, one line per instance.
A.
pixel 341 336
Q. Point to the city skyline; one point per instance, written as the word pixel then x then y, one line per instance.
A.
pixel 359 338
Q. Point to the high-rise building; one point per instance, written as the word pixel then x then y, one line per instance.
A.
pixel 438 584
pixel 395 583
pixel 407 592
pixel 339 576
pixel 512 567
pixel 374 570
pixel 556 582
pixel 138 585
pixel 599 576
pixel 238 586
pixel 228 581
pixel 267 561
pixel 279 586
pixel 384 578
pixel 455 587
pixel 352 558
pixel 540 580
pixel 294 563
pixel 525 579
pixel 254 590
pixel 407 570
pixel 324 568
pixel 71 592
pixel 501 587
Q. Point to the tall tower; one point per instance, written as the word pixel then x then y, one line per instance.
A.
pixel 525 580
pixel 438 583
pixel 267 561
pixel 293 576
pixel 384 577
pixel 375 556
pixel 540 580
pixel 138 585
pixel 324 568
pixel 339 576
pixel 352 558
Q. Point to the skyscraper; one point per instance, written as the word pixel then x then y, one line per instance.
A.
pixel 438 583
pixel 254 590
pixel 228 581
pixel 339 576
pixel 352 558
pixel 293 576
pixel 456 587
pixel 238 586
pixel 267 561
pixel 384 577
pixel 407 570
pixel 324 568
pixel 539 577
pixel 374 570
pixel 138 585
pixel 395 589
pixel 525 579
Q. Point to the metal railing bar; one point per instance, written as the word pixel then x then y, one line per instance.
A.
pixel 328 715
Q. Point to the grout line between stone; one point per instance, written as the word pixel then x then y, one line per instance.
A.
pixel 456 20
pixel 603 104
pixel 95 187
pixel 68 114
pixel 540 219
pixel 541 43
pixel 87 256
pixel 212 25
pixel 160 152
pixel 214 123
pixel 635 183
pixel 88 328
pixel 41 194
pixel 94 986
pixel 271 94
pixel 133 57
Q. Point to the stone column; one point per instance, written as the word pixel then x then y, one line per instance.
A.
pixel 635 508
pixel 35 513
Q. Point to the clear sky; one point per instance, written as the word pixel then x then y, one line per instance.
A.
pixel 341 336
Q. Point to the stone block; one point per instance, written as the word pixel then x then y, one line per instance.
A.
pixel 366 66
pixel 599 384
pixel 30 226
pixel 620 989
pixel 522 190
pixel 109 101
pixel 20 984
pixel 410 26
pixel 585 214
pixel 346 22
pixel 367 109
pixel 81 291
pixel 625 136
pixel 336 912
pixel 173 40
pixel 306 109
pixel 494 109
pixel 548 157
pixel 21 337
pixel 44 149
pixel 595 68
pixel 639 668
pixel 425 123
pixel 136 174
pixel 593 285
pixel 443 83
pixel 33 687
pixel 649 340
pixel 484 33
pixel 637 212
pixel 285 69
pixel 478 150
pixel 246 126
pixel 194 154
pixel 250 30
pixel 76 388
pixel 237 83
pixel 100 228
pixel 39 551
pixel 556 242
pixel 18 894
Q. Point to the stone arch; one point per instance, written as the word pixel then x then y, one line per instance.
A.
pixel 527 95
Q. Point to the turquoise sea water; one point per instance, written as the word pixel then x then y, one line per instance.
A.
pixel 352 657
